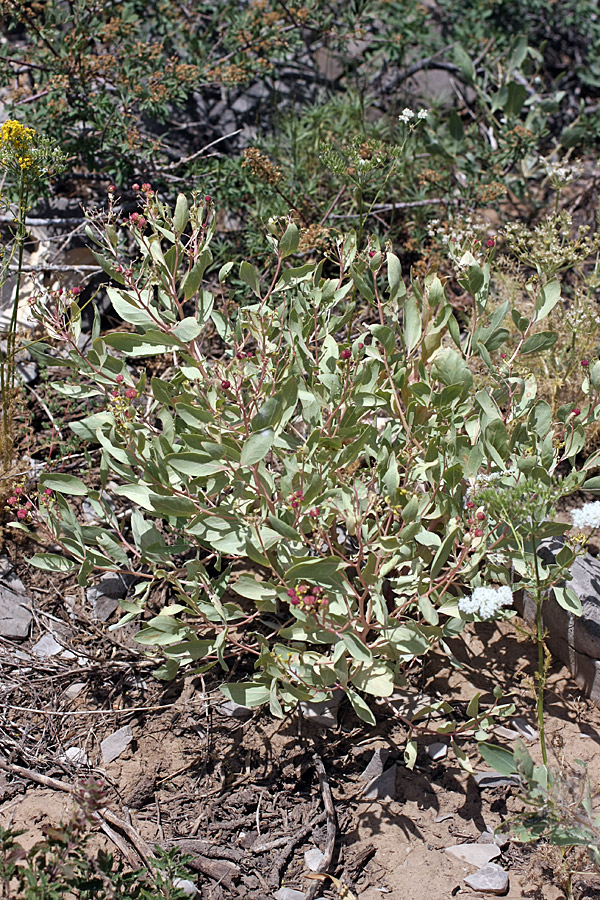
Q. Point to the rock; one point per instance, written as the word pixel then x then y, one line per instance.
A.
pixel 112 746
pixel 47 646
pixel 383 787
pixel 437 750
pixel 575 640
pixel 314 859
pixel 475 854
pixel 523 728
pixel 74 690
pixel 375 765
pixel 491 879
pixel 75 755
pixel 289 894
pixel 103 607
pixel 509 733
pixel 324 712
pixel 15 616
pixel 486 780
pixel 113 584
pixel 235 710
pixel 492 837
pixel 188 887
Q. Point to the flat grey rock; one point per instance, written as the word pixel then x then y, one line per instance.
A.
pixel 383 787
pixel 492 837
pixel 47 646
pixel 524 729
pixel 437 750
pixel 112 746
pixel 487 780
pixel 113 584
pixel 314 859
pixel 235 710
pixel 375 765
pixel 477 855
pixel 103 607
pixel 15 617
pixel 289 894
pixel 324 712
pixel 491 879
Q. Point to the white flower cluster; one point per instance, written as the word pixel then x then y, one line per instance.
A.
pixel 486 602
pixel 561 172
pixel 407 115
pixel 588 516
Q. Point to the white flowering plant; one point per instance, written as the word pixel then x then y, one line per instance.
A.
pixel 332 496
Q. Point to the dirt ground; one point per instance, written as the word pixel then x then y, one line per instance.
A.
pixel 244 795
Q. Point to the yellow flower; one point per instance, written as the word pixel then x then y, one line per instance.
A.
pixel 16 137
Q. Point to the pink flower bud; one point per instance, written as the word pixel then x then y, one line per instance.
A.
pixel 585 362
pixel 12 501
pixel 576 411
pixel 135 186
pixel 346 354
pixel 76 290
pixel 18 490
pixel 131 393
pixel 208 199
pixel 491 242
pixel 22 514
pixel 119 379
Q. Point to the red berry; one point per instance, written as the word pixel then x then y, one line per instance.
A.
pixel 208 199
pixel 491 242
pixel 346 354
pixel 576 411
pixel 371 253
pixel 294 600
pixel 481 516
pixel 294 504
pixel 76 290
pixel 225 385
pixel 470 504
pixel 585 362
pixel 503 356
pixel 478 532
pixel 119 379
pixel 291 592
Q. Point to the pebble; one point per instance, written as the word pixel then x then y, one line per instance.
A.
pixel 437 750
pixel 475 854
pixel 485 780
pixel 188 887
pixel 375 765
pixel 48 646
pixel 112 746
pixel 524 729
pixel 314 859
pixel 75 755
pixel 491 879
pixel 383 787
pixel 289 894
pixel 235 710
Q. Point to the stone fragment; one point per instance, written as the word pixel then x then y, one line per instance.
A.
pixel 188 887
pixel 375 765
pixel 314 859
pixel 15 617
pixel 289 894
pixel 477 855
pixel 47 646
pixel 112 746
pixel 492 837
pixel 234 710
pixel 491 879
pixel 324 712
pixel 524 729
pixel 509 733
pixel 383 787
pixel 409 703
pixel 103 607
pixel 487 780
pixel 75 755
pixel 437 750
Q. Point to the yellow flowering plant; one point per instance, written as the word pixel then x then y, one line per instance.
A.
pixel 28 159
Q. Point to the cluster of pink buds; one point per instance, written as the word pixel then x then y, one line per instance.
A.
pixel 137 220
pixel 477 518
pixel 345 354
pixel 18 504
pixel 308 597
pixel 296 499
pixel 120 400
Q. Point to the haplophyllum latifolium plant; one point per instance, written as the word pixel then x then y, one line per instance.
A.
pixel 304 492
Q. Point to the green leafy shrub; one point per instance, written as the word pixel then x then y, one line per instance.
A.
pixel 311 491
